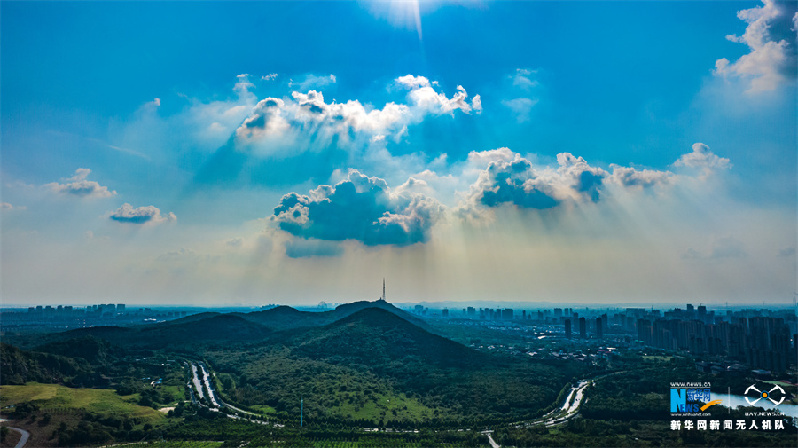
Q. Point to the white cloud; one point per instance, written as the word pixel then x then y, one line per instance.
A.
pixel 312 82
pixel 77 185
pixel 360 208
pixel 269 77
pixel 645 178
pixel 771 61
pixel 482 158
pixel 427 100
pixel 506 178
pixel 411 82
pixel 517 182
pixel 703 160
pixel 280 122
pixel 142 215
pixel 476 103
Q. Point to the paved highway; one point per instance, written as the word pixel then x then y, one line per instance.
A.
pixel 197 383
pixel 217 405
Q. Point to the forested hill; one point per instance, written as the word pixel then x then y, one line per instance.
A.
pixel 375 337
pixel 211 328
pixel 285 317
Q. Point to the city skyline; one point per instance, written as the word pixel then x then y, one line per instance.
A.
pixel 292 152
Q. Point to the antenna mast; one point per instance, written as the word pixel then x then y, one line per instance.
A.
pixel 383 289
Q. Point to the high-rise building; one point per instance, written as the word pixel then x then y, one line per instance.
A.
pixel 568 328
pixel 599 329
pixel 582 328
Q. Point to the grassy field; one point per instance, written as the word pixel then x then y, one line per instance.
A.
pixel 387 407
pixel 59 398
pixel 263 408
pixel 176 392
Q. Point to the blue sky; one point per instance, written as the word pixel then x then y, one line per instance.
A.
pixel 293 152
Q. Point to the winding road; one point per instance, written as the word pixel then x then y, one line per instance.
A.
pixel 23 436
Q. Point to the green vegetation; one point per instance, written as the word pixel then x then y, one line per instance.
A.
pixel 374 368
pixel 263 409
pixel 20 367
pixel 175 444
pixel 55 398
pixel 354 368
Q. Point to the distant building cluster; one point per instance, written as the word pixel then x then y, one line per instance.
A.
pixel 108 310
pixel 68 316
pixel 759 341
pixel 759 338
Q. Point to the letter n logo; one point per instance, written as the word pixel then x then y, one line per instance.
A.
pixel 678 400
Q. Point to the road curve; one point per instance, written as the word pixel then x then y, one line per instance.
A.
pixel 23 436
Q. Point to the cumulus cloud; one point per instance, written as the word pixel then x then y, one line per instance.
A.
pixel 269 77
pixel 510 179
pixel 771 39
pixel 645 178
pixel 77 185
pixel 359 208
pixel 281 121
pixel 142 215
pixel 517 182
pixel 412 82
pixel 702 160
pixel 482 158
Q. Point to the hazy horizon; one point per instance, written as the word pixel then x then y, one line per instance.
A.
pixel 434 305
pixel 211 154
